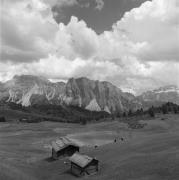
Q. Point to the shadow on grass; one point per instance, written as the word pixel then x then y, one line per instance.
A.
pixel 50 159
pixel 69 173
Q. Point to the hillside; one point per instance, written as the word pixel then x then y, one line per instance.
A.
pixel 160 95
pixel 29 90
pixel 76 98
pixel 37 113
pixel 150 153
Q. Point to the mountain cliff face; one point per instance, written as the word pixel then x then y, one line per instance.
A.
pixel 88 94
pixel 82 92
pixel 22 89
pixel 163 94
pixel 97 95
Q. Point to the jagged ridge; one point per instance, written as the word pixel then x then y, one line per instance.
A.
pixel 82 92
pixel 93 95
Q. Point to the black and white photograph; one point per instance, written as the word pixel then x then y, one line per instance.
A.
pixel 89 89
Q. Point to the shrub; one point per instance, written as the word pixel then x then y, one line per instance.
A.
pixel 151 112
pixel 164 109
pixel 2 119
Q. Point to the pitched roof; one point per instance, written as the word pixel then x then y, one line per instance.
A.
pixel 80 160
pixel 62 143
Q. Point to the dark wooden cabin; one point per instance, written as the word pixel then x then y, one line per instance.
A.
pixel 82 165
pixel 63 147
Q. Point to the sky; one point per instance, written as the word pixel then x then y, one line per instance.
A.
pixel 133 44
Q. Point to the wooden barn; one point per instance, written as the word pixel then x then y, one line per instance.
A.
pixel 63 147
pixel 82 165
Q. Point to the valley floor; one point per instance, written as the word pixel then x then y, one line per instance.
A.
pixel 151 153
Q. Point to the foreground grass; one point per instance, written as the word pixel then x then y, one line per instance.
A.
pixel 151 153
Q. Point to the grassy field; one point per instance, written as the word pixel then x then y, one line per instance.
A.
pixel 150 153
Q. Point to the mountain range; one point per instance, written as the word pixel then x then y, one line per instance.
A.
pixel 29 90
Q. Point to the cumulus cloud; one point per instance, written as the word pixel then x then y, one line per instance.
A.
pixel 76 40
pixel 140 52
pixel 61 3
pixel 27 30
pixel 60 68
pixel 58 5
pixel 154 23
pixel 100 4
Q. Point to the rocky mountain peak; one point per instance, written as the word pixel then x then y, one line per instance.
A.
pixel 169 93
pixel 83 92
pixel 168 88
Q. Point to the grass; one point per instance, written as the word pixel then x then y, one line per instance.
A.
pixel 150 153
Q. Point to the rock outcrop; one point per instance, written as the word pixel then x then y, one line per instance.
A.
pixel 163 94
pixel 82 92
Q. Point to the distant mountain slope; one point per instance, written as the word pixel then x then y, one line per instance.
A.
pixel 82 92
pixel 49 112
pixel 21 90
pixel 158 96
pixel 28 90
pixel 102 95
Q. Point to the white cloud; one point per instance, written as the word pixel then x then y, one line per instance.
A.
pixel 76 40
pixel 140 52
pixel 100 4
pixel 55 68
pixel 155 23
pixel 27 30
pixel 63 3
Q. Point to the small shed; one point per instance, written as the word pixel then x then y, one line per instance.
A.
pixel 63 147
pixel 83 165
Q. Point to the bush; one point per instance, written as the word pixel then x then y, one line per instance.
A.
pixel 130 113
pixel 164 109
pixel 151 112
pixel 112 117
pixel 124 114
pixel 2 119
pixel 118 115
pixel 175 110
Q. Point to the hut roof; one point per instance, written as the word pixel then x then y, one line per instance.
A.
pixel 62 143
pixel 80 160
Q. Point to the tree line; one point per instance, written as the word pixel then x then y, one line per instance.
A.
pixel 166 108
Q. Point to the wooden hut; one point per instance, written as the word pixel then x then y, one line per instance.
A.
pixel 82 165
pixel 63 147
